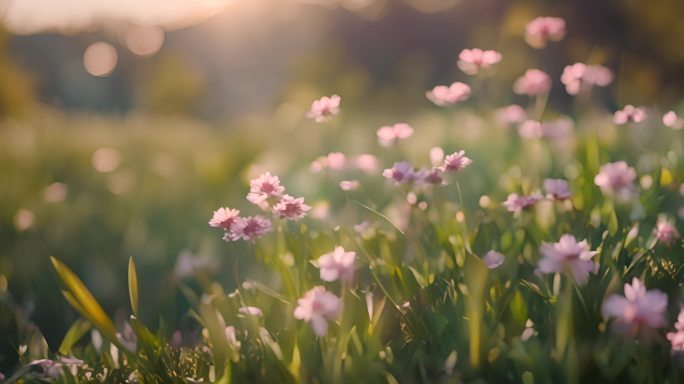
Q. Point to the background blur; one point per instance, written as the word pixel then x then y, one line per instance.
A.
pixel 124 124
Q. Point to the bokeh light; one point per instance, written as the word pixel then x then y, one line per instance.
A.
pixel 100 59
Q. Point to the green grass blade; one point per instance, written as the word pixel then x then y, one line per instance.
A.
pixel 133 286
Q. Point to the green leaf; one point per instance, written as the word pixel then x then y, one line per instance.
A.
pixel 133 286
pixel 476 273
pixel 74 334
pixel 82 300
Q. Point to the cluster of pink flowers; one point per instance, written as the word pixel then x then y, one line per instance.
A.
pixel 390 135
pixel 556 189
pixel 473 61
pixel 544 29
pixel 579 74
pixel 533 83
pixel 616 179
pixel 638 312
pixel 568 256
pixel 628 114
pixel 267 193
pixel 324 108
pixel 404 172
pixel 443 95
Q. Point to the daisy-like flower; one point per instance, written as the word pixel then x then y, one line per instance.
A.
pixel 574 76
pixel 390 135
pixel 493 259
pixel 338 264
pixel 401 172
pixel 534 82
pixel 224 218
pixel 665 232
pixel 511 114
pixel 291 208
pixel 638 311
pixel 544 29
pixel 568 256
pixel 530 130
pixel 671 120
pixel 317 307
pixel 676 338
pixel 443 95
pixel 263 188
pixel 557 189
pixel 324 108
pixel 455 162
pixel 516 203
pixel 248 228
pixel 628 114
pixel 472 61
pixel 616 179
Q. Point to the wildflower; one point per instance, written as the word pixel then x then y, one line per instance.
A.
pixel 455 162
pixel 367 163
pixel 338 264
pixel 224 218
pixel 317 307
pixel 671 120
pixel 493 259
pixel 533 82
pixel 349 185
pixel 511 114
pixel 568 255
pixel 639 310
pixel 472 61
pixel 401 172
pixel 516 203
pixel 665 232
pixel 252 311
pixel 291 208
pixel 530 130
pixel 557 189
pixel 436 156
pixel 677 338
pixel 629 113
pixel 434 176
pixel 616 179
pixel 389 135
pixel 324 108
pixel 574 76
pixel 337 160
pixel 264 187
pixel 248 228
pixel 543 29
pixel 50 368
pixel 443 95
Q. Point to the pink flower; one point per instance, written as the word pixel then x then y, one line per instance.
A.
pixel 324 108
pixel 317 307
pixel 616 179
pixel 530 130
pixel 337 160
pixel 248 228
pixel 436 156
pixel 677 338
pixel 349 185
pixel 567 255
pixel 389 135
pixel 367 163
pixel 516 203
pixel 543 29
pixel 434 176
pixel 671 120
pixel 511 114
pixel 577 74
pixel 557 189
pixel 629 113
pixel 444 96
pixel 264 187
pixel 252 311
pixel 338 264
pixel 291 208
pixel 665 232
pixel 637 311
pixel 401 172
pixel 533 82
pixel 455 162
pixel 493 259
pixel 471 61
pixel 224 218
